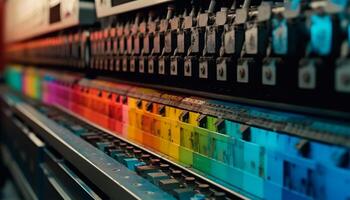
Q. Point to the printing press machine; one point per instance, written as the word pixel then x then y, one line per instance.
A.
pixel 177 99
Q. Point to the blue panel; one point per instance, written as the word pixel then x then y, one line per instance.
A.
pixel 274 168
pixel 238 154
pixel 332 183
pixel 321 34
pixel 253 185
pixel 288 194
pixel 272 191
pixel 253 159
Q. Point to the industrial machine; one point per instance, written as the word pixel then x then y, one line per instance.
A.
pixel 178 99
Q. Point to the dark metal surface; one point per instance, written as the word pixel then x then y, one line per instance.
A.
pixel 18 176
pixel 108 175
pixel 189 170
pixel 320 112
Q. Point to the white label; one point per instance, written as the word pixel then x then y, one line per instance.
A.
pixel 269 73
pixel 132 65
pixel 146 44
pixel 173 67
pixel 211 40
pixel 117 65
pixel 141 66
pixel 121 45
pixel 150 66
pixel 229 42
pixel 307 76
pixel 203 69
pixel 221 18
pixel 125 64
pixel 221 71
pixel 195 40
pixel 181 42
pixel 161 66
pixel 111 64
pixel 168 42
pixel 243 72
pixel 203 19
pixel 156 43
pixel 115 46
pixel 137 44
pixel 188 68
pixel 251 40
pixel 342 77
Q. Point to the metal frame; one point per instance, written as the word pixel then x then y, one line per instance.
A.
pixel 106 9
pixel 111 177
pixel 18 176
pixel 158 154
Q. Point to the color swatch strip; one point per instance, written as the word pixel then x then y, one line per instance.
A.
pixel 255 161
